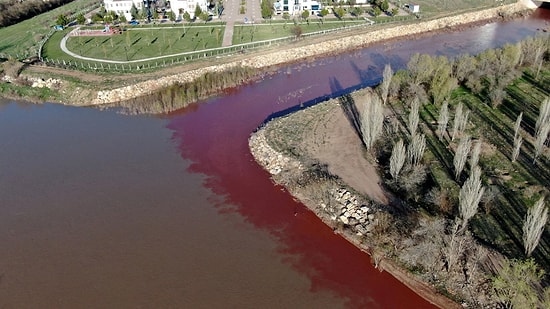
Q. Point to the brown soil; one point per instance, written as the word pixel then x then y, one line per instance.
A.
pixel 332 140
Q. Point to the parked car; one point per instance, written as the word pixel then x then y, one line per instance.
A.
pixel 134 22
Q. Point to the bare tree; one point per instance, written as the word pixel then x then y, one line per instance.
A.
pixel 533 226
pixel 372 120
pixel 397 159
pixel 461 155
pixel 544 115
pixel 517 125
pixel 460 120
pixel 384 87
pixel 454 247
pixel 517 147
pixel 416 149
pixel 443 120
pixel 540 138
pixel 413 116
pixel 474 156
pixel 469 197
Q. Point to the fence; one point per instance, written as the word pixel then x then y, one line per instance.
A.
pixel 170 60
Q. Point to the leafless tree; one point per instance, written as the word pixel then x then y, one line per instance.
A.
pixel 454 247
pixel 416 149
pixel 397 159
pixel 469 197
pixel 424 248
pixel 533 226
pixel 474 156
pixel 540 139
pixel 517 125
pixel 384 87
pixel 413 116
pixel 496 95
pixel 544 115
pixel 457 120
pixel 443 120
pixel 517 147
pixel 533 50
pixel 372 120
pixel 460 120
pixel 461 155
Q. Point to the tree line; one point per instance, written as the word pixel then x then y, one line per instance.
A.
pixel 421 108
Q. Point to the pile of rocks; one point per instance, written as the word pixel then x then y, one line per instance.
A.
pixel 353 213
pixel 44 83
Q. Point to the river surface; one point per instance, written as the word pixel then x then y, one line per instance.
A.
pixel 102 210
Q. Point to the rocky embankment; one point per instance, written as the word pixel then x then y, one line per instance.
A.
pixel 333 46
pixel 339 208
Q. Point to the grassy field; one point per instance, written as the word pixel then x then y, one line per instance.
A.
pixel 268 31
pixel 429 8
pixel 23 38
pixel 140 43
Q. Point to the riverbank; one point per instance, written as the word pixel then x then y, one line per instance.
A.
pixel 332 180
pixel 98 90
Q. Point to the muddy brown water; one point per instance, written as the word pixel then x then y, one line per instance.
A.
pixel 101 210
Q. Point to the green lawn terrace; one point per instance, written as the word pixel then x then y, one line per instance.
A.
pixel 269 30
pixel 136 43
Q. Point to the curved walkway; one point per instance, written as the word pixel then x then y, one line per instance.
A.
pixel 252 12
pixel 63 46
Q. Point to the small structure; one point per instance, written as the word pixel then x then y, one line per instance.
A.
pixel 414 8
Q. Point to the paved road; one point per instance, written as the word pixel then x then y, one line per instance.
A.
pixel 232 15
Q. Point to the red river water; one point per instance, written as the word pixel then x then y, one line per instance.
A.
pixel 101 210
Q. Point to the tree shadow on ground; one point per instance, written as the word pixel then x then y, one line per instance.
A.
pixel 347 103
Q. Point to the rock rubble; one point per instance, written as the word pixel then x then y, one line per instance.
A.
pixel 343 206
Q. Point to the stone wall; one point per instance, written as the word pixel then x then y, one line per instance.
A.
pixel 292 54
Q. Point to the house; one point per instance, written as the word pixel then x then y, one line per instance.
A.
pixel 123 7
pixel 296 7
pixel 181 6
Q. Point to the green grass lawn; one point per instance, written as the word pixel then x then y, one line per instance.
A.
pixel 267 31
pixel 437 7
pixel 139 43
pixel 23 38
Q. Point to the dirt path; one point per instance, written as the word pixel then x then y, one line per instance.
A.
pixel 331 139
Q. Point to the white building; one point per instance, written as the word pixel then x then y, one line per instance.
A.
pixel 123 7
pixel 296 7
pixel 181 6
